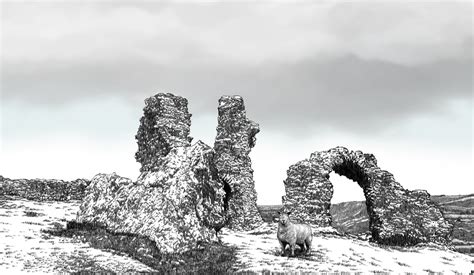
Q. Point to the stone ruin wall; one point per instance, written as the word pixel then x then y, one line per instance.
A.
pixel 185 193
pixel 166 124
pixel 44 189
pixel 396 216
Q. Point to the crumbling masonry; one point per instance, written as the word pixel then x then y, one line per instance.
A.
pixel 185 193
pixel 397 216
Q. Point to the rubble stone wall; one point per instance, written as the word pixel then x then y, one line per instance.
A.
pixel 397 216
pixel 44 189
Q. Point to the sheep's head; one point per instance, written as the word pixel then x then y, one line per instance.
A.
pixel 284 218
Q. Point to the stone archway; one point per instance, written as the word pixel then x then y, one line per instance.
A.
pixel 396 216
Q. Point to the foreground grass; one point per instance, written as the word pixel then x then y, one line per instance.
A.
pixel 85 249
pixel 25 248
pixel 209 258
pixel 335 253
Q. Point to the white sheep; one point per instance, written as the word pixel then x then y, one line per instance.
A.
pixel 292 234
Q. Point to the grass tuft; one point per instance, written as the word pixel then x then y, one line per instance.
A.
pixel 32 214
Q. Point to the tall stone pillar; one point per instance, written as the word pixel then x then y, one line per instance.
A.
pixel 235 138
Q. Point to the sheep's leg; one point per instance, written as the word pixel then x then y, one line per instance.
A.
pixel 308 245
pixel 292 247
pixel 283 246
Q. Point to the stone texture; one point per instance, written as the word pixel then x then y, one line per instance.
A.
pixel 178 206
pixel 165 124
pixel 44 189
pixel 235 138
pixel 397 216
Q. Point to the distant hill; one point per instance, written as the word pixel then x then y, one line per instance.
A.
pixel 459 210
pixel 351 217
pixel 269 213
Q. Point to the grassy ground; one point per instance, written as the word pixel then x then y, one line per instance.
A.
pixel 259 251
pixel 34 238
pixel 25 248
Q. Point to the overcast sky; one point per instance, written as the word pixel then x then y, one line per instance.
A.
pixel 392 79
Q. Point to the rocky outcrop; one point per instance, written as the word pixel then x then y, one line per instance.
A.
pixel 397 216
pixel 235 138
pixel 165 124
pixel 178 207
pixel 44 189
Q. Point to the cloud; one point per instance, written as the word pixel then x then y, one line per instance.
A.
pixel 347 92
pixel 393 79
pixel 351 65
pixel 246 33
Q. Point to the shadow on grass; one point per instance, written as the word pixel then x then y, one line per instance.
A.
pixel 299 252
pixel 210 258
pixel 316 255
pixel 264 232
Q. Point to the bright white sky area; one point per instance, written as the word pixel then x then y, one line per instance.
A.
pixel 391 79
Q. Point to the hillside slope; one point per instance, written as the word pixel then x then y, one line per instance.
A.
pixel 350 217
pixel 459 210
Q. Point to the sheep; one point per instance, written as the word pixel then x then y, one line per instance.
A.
pixel 292 234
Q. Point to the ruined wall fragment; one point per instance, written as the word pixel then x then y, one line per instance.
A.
pixel 44 189
pixel 397 216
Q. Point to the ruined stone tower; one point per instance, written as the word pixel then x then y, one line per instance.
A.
pixel 165 124
pixel 235 138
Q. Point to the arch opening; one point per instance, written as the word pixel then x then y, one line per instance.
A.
pixel 348 206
